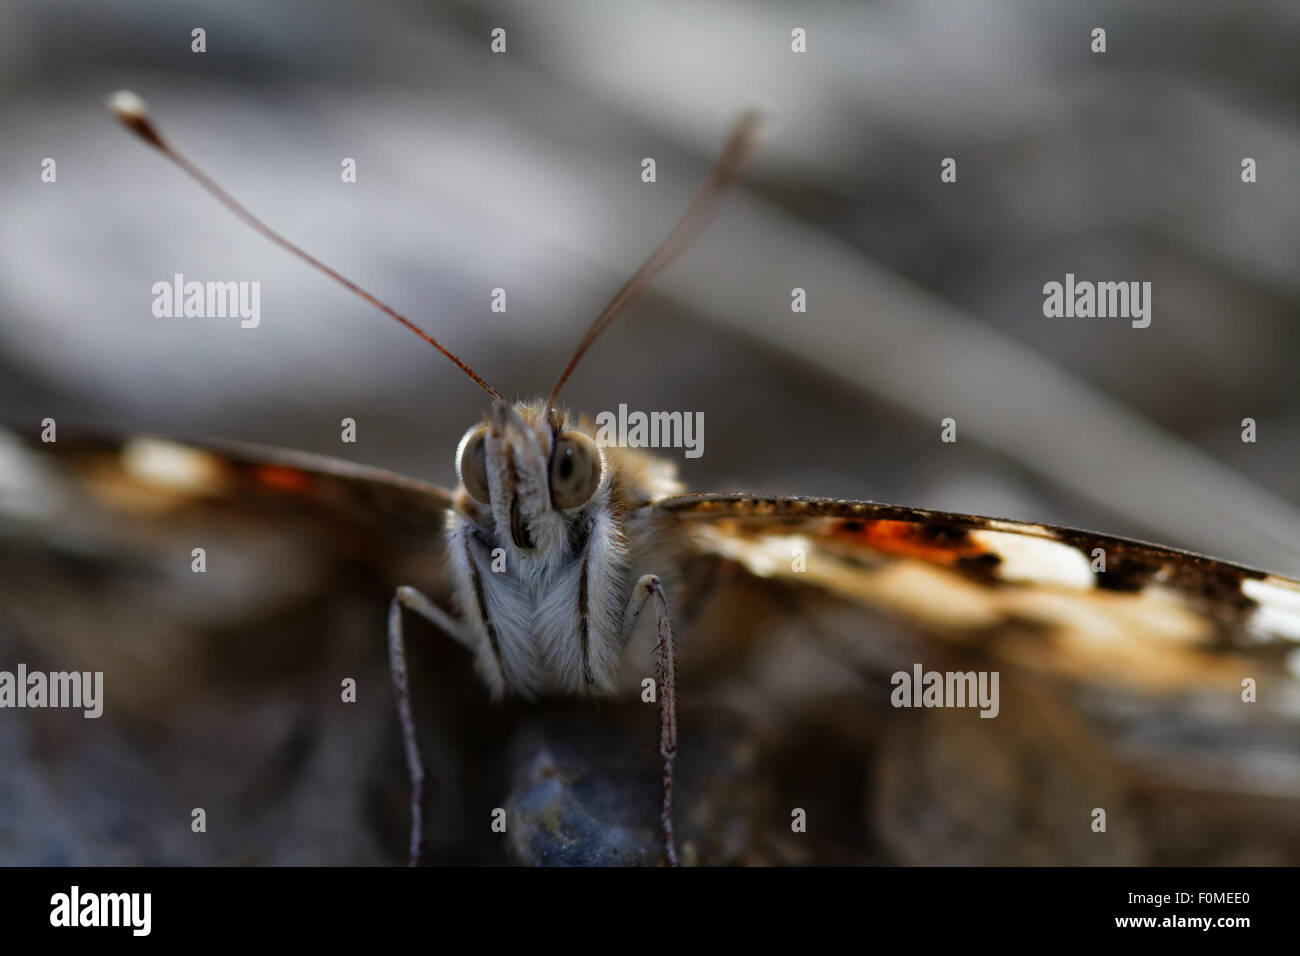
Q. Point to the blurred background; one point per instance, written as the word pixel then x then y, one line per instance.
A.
pixel 522 171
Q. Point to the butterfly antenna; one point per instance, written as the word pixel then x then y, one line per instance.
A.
pixel 134 115
pixel 703 205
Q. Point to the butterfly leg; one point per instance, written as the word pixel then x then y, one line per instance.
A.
pixel 413 600
pixel 649 588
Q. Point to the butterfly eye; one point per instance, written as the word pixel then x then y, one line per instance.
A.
pixel 471 463
pixel 575 470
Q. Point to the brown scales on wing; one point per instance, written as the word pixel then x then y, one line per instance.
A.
pixel 1032 593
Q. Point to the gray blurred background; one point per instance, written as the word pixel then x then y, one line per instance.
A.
pixel 522 171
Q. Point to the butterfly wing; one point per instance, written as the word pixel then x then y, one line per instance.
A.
pixel 1152 684
pixel 1071 600
pixel 226 593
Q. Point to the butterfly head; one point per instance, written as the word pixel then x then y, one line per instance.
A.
pixel 529 475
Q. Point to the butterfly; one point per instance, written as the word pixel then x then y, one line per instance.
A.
pixel 1136 680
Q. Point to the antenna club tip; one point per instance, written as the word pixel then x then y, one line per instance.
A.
pixel 127 106
pixel 133 113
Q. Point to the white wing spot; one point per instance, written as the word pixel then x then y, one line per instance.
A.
pixel 1279 605
pixel 1034 560
pixel 170 465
